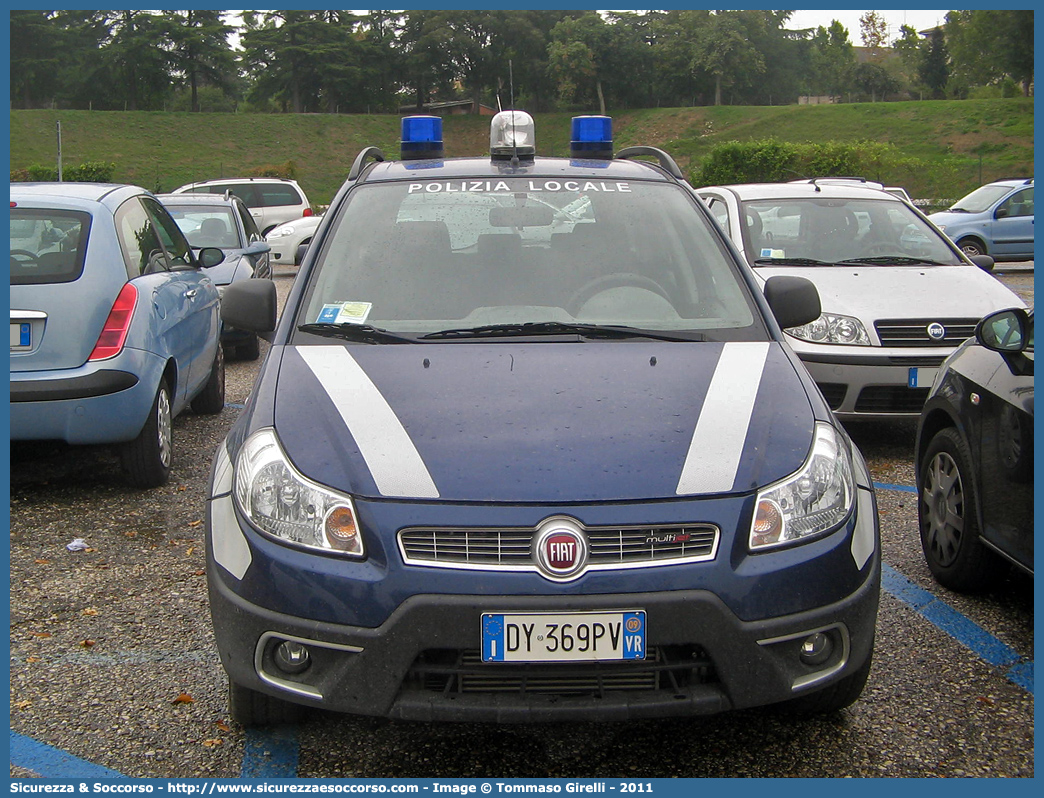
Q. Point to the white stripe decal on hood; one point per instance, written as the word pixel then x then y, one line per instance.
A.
pixel 721 429
pixel 393 460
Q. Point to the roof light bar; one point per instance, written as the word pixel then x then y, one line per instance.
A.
pixel 512 133
pixel 592 138
pixel 421 138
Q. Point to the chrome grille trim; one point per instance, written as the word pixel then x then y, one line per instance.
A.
pixel 511 550
pixel 914 332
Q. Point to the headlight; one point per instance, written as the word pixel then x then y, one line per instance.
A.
pixel 832 328
pixel 282 231
pixel 811 501
pixel 284 504
pixel 941 226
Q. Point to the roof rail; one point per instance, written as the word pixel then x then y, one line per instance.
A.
pixel 362 158
pixel 666 161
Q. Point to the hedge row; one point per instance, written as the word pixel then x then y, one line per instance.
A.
pixel 87 172
pixel 773 161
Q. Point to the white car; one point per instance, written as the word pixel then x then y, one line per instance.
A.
pixel 271 200
pixel 897 295
pixel 287 238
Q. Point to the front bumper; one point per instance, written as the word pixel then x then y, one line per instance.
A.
pixel 387 639
pixel 877 386
pixel 415 666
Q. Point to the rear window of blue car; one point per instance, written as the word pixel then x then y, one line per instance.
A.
pixel 47 245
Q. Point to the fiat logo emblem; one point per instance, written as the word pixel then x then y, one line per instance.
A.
pixel 560 548
pixel 936 331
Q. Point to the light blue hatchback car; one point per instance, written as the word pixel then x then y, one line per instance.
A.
pixel 995 219
pixel 114 322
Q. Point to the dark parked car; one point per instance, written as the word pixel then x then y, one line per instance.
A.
pixel 210 220
pixel 114 322
pixel 975 457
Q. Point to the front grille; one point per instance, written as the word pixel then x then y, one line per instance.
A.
pixel 664 668
pixel 891 399
pixel 628 546
pixel 914 332
pixel 834 393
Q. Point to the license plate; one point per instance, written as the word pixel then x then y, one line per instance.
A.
pixel 21 335
pixel 563 637
pixel 921 377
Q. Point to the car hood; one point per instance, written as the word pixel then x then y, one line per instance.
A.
pixel 542 422
pixel 947 218
pixel 903 292
pixel 224 272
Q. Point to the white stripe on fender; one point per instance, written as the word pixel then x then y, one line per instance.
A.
pixel 393 460
pixel 721 429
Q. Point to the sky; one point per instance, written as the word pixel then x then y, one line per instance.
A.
pixel 918 20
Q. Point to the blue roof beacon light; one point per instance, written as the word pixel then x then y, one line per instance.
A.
pixel 512 133
pixel 421 138
pixel 592 138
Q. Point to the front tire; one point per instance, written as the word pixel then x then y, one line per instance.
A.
pixel 146 459
pixel 211 399
pixel 250 708
pixel 249 349
pixel 948 517
pixel 972 247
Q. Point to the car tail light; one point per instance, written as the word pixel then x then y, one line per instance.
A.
pixel 307 212
pixel 114 333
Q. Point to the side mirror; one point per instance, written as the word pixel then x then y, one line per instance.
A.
pixel 210 256
pixel 984 262
pixel 1001 212
pixel 251 305
pixel 1006 331
pixel 794 300
pixel 301 250
pixel 258 248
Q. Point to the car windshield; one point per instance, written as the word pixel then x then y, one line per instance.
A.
pixel 206 226
pixel 834 230
pixel 981 199
pixel 47 246
pixel 458 254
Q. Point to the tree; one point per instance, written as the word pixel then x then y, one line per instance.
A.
pixel 1007 36
pixel 34 56
pixel 200 51
pixel 723 49
pixel 832 58
pixel 934 71
pixel 873 79
pixel 911 49
pixel 138 60
pixel 589 58
pixel 873 30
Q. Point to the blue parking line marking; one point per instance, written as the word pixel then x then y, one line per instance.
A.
pixel 903 488
pixel 965 631
pixel 270 753
pixel 53 763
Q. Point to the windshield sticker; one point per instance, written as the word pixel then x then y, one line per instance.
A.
pixel 773 253
pixel 344 313
pixel 499 186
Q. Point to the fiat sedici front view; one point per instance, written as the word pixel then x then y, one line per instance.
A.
pixel 529 446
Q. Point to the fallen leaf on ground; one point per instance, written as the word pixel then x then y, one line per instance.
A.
pixel 184 698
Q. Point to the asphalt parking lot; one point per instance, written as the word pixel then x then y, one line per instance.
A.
pixel 112 660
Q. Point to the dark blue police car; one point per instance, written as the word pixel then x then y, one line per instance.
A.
pixel 529 445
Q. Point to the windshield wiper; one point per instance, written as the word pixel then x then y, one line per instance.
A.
pixel 790 262
pixel 364 333
pixel 893 260
pixel 558 328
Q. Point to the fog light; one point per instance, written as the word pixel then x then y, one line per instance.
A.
pixel 816 649
pixel 292 657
